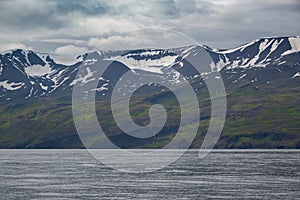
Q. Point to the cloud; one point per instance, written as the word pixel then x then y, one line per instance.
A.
pixel 85 7
pixel 70 50
pixel 141 38
pixel 10 46
pixel 103 26
pixel 68 54
pixel 24 15
pixel 64 41
pixel 125 41
pixel 218 23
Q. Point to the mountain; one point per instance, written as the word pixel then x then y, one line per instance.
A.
pixel 27 74
pixel 264 52
pixel 261 79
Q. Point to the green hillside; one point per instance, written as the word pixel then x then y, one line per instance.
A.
pixel 261 114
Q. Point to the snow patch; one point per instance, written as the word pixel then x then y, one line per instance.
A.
pixel 84 79
pixel 56 86
pixel 220 65
pixel 176 77
pixel 282 62
pixel 43 86
pixel 296 75
pixel 241 77
pixel 90 61
pixel 240 48
pixel 295 44
pixel 38 70
pixel 235 63
pixel 187 51
pixel 275 45
pixel 1 68
pixel 11 85
pixel 154 66
pixel 180 65
pixel 263 45
pixel 102 88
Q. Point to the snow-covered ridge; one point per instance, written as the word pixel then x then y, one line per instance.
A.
pixel 294 42
pixel 38 74
pixel 258 53
pixel 32 72
pixel 146 60
pixel 153 59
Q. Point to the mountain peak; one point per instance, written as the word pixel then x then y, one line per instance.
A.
pixel 36 74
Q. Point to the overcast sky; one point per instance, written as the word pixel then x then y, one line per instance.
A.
pixel 74 26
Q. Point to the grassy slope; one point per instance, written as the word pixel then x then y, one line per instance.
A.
pixel 259 115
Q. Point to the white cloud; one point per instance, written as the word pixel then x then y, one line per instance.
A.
pixel 141 38
pixel 93 42
pixel 70 50
pixel 68 54
pixel 11 46
pixel 119 42
pixel 89 26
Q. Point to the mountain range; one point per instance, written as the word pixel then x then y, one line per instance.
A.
pixel 261 80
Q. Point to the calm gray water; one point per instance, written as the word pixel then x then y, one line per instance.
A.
pixel 74 174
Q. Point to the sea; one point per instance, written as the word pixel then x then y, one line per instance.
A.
pixel 222 174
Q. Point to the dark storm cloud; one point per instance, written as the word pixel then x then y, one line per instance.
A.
pixel 55 13
pixel 51 14
pixel 22 15
pixel 86 7
pixel 167 8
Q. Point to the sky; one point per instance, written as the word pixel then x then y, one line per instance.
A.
pixel 73 27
